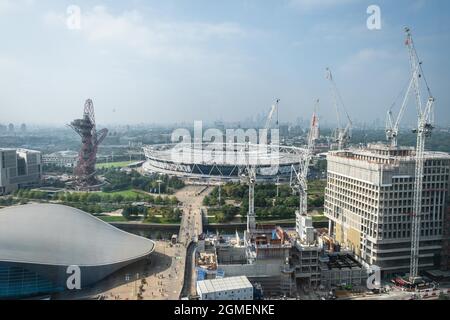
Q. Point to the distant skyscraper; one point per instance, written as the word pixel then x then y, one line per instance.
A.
pixel 11 127
pixel 23 128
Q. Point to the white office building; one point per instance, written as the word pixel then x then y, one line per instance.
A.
pixel 233 288
pixel 369 201
pixel 19 168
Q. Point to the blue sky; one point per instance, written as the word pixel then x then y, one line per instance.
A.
pixel 174 60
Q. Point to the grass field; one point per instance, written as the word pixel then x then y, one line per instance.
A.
pixel 113 165
pixel 112 219
pixel 126 193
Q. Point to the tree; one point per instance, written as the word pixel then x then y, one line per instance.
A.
pixel 75 197
pixel 158 200
pixel 62 196
pixel 118 198
pixel 106 198
pixel 94 198
pixel 230 212
pixel 126 213
pixel 83 197
pixel 220 217
pixel 173 201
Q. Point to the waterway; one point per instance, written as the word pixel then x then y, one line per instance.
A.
pixel 157 231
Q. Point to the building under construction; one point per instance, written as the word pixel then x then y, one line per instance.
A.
pixel 369 200
pixel 90 140
pixel 279 261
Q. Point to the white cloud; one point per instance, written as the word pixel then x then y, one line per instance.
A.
pixel 8 6
pixel 148 37
pixel 311 5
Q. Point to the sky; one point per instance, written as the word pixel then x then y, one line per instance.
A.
pixel 179 61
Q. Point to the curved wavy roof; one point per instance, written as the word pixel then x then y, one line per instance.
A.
pixel 60 235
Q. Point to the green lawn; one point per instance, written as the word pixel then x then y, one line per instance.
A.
pixel 112 219
pixel 126 193
pixel 113 165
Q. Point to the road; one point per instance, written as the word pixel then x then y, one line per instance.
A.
pixel 189 288
pixel 191 227
pixel 191 198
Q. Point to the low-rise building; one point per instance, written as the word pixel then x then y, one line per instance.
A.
pixel 233 288
pixel 67 159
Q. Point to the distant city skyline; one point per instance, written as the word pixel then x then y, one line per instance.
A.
pixel 165 62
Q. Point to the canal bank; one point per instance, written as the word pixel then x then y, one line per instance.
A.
pixel 165 231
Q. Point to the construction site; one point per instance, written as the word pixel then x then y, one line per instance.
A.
pixel 388 209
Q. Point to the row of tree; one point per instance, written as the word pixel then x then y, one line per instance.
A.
pixel 119 180
pixel 265 196
pixel 96 197
pixel 152 215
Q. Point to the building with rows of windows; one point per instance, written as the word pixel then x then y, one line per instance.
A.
pixel 369 201
pixel 19 168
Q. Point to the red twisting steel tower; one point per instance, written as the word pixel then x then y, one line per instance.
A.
pixel 90 139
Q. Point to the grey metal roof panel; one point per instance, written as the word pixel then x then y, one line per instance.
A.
pixel 60 235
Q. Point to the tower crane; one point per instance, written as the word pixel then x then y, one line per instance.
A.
pixel 299 179
pixel 273 109
pixel 392 126
pixel 248 176
pixel 424 130
pixel 342 135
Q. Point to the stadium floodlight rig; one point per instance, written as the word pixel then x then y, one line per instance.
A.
pixel 342 135
pixel 90 140
pixel 424 130
pixel 299 179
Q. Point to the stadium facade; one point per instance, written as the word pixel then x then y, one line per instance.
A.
pixel 220 161
pixel 40 242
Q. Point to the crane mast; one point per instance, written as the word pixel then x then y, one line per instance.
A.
pixel 249 177
pixel 342 135
pixel 299 179
pixel 271 113
pixel 424 130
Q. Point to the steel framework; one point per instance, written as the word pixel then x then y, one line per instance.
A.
pixel 342 135
pixel 299 179
pixel 90 140
pixel 424 130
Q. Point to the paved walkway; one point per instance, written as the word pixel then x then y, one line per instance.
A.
pixel 162 276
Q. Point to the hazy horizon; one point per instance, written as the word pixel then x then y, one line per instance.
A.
pixel 167 62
